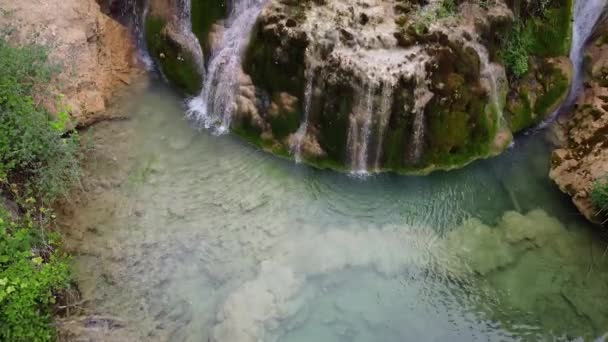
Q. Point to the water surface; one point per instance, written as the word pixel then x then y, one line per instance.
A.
pixel 193 237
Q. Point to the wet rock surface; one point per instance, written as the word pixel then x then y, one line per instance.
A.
pixel 376 102
pixel 583 157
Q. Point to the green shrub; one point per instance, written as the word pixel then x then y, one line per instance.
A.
pixel 35 150
pixel 599 194
pixel 31 271
pixel 515 52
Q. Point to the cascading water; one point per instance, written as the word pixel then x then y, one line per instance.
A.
pixel 215 105
pixel 587 14
pixel 185 27
pixel 423 95
pixel 132 13
pixel 383 119
pixel 489 75
pixel 309 75
pixel 360 131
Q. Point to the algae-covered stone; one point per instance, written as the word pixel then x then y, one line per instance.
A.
pixel 543 31
pixel 205 14
pixel 412 109
pixel 535 269
pixel 176 51
pixel 177 64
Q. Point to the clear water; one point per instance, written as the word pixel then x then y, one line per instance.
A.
pixel 193 237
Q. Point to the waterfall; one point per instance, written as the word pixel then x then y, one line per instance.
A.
pixel 422 95
pixel 489 74
pixel 185 28
pixel 215 105
pixel 383 119
pixel 132 14
pixel 309 76
pixel 360 131
pixel 587 14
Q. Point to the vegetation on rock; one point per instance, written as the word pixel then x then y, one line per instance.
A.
pixel 175 62
pixel 35 149
pixel 32 272
pixel 599 196
pixel 38 162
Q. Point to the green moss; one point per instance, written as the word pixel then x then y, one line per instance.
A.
pixel 285 123
pixel 523 113
pixel 551 33
pixel 178 66
pixel 449 131
pixel 395 148
pixel 541 29
pixel 333 122
pixel 599 194
pixel 204 14
pixel 554 93
pixel 520 112
pixel 269 73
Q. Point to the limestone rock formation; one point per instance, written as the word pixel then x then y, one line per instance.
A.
pixel 583 158
pixel 365 86
pixel 173 29
pixel 96 54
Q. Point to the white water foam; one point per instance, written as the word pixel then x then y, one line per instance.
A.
pixel 214 107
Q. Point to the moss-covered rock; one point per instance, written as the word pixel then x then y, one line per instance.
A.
pixel 176 63
pixel 536 96
pixel 407 86
pixel 206 13
pixel 542 33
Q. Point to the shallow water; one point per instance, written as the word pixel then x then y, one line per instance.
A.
pixel 194 237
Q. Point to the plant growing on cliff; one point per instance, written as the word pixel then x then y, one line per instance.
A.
pixel 35 150
pixel 31 272
pixel 515 51
pixel 599 195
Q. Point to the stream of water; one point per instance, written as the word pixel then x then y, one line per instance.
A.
pixel 214 107
pixel 188 236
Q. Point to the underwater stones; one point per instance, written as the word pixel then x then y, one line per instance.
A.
pixel 479 247
pixel 485 249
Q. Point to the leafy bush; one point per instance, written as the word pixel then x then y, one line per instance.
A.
pixel 599 194
pixel 31 271
pixel 34 148
pixel 515 52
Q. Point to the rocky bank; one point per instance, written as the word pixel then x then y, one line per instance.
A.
pixel 583 156
pixel 96 54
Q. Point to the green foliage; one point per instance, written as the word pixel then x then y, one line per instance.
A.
pixel 430 14
pixel 31 272
pixel 599 194
pixel 541 29
pixel 446 8
pixel 34 148
pixel 515 51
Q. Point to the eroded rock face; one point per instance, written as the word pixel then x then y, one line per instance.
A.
pixel 583 158
pixel 96 54
pixel 406 86
pixel 388 90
